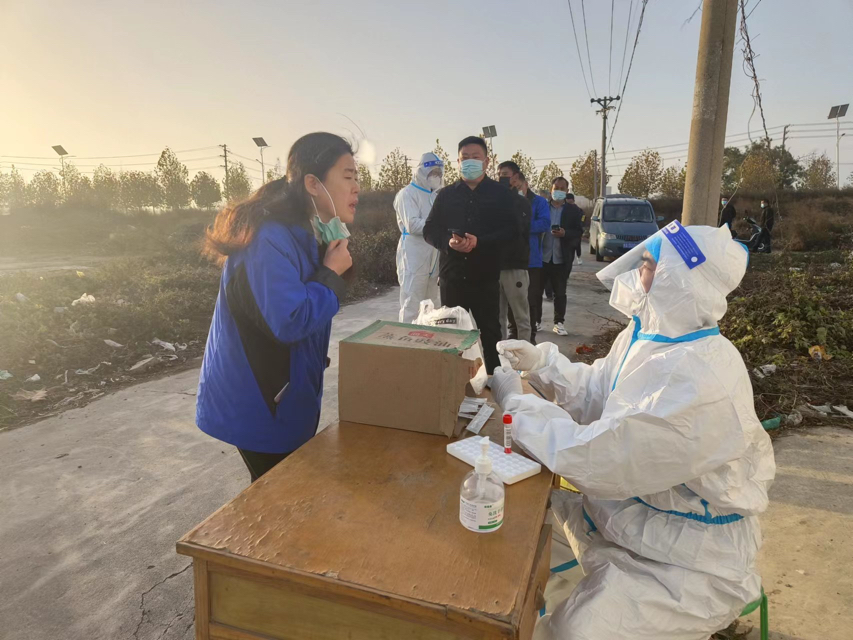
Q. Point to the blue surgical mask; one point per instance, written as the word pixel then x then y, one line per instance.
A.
pixel 334 229
pixel 471 169
pixel 725 202
pixel 556 194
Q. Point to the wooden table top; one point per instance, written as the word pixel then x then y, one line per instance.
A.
pixel 378 508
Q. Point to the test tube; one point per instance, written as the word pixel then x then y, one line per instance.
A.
pixel 507 433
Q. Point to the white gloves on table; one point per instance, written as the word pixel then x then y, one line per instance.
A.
pixel 522 355
pixel 506 383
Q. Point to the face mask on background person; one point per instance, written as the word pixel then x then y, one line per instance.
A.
pixel 725 202
pixel 521 192
pixel 763 205
pixel 334 229
pixel 434 182
pixel 556 194
pixel 471 169
pixel 504 180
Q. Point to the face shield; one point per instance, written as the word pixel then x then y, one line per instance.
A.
pixel 430 172
pixel 632 260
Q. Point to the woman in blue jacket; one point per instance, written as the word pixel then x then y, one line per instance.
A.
pixel 283 252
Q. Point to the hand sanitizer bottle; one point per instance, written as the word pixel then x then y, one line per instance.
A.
pixel 481 499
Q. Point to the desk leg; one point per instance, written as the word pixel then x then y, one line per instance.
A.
pixel 201 588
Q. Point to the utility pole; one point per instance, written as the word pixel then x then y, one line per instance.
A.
pixel 605 107
pixel 225 156
pixel 710 109
pixel 785 135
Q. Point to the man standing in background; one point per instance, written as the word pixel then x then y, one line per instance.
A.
pixel 417 261
pixel 574 229
pixel 558 250
pixel 470 222
pixel 540 224
pixel 514 259
pixel 728 215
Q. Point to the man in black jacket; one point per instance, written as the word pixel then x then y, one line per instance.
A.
pixel 728 215
pixel 558 249
pixel 470 223
pixel 514 278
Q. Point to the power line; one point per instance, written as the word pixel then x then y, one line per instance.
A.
pixel 588 57
pixel 630 64
pixel 577 47
pixel 625 46
pixel 610 62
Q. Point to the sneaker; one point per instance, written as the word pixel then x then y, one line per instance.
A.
pixel 560 330
pixel 539 326
pixel 580 260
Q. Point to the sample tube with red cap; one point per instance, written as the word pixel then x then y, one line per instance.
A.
pixel 507 433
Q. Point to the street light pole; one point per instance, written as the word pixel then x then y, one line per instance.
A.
pixel 262 145
pixel 837 163
pixel 836 113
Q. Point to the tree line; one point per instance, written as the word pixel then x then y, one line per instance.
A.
pixel 759 168
pixel 167 186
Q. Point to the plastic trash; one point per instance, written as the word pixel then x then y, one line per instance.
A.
pixel 20 297
pixel 793 419
pixel 772 423
pixel 818 352
pixel 5 375
pixel 32 396
pixel 843 410
pixel 452 317
pixel 143 364
pixel 166 345
pixel 34 378
pixel 84 299
pixel 764 370
pixel 113 344
pixel 825 409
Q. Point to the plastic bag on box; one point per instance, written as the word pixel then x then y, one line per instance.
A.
pixel 453 318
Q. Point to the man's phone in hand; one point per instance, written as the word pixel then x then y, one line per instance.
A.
pixel 457 232
pixel 555 227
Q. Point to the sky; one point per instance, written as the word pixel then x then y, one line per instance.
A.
pixel 127 78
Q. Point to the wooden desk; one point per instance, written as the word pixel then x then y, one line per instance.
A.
pixel 357 535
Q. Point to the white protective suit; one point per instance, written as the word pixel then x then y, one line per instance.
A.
pixel 662 438
pixel 417 261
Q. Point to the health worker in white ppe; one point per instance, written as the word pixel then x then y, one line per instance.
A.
pixel 417 261
pixel 662 439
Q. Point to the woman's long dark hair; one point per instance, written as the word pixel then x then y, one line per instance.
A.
pixel 284 199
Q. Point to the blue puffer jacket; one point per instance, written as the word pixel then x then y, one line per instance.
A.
pixel 261 382
pixel 540 223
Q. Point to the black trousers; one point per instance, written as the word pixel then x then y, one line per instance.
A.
pixel 482 299
pixel 557 275
pixel 259 463
pixel 534 299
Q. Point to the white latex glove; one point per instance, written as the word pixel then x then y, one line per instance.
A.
pixel 522 355
pixel 506 383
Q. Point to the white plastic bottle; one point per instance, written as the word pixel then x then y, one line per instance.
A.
pixel 481 498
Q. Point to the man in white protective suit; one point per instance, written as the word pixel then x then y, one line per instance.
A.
pixel 417 261
pixel 662 438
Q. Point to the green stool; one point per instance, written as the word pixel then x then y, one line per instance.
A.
pixel 761 602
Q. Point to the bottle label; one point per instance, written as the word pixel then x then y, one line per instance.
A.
pixel 482 517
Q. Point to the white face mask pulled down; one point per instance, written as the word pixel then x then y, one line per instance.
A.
pixel 434 182
pixel 334 229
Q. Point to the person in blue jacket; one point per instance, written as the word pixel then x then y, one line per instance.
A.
pixel 283 252
pixel 540 224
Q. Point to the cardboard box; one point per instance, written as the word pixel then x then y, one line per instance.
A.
pixel 405 376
